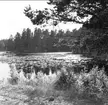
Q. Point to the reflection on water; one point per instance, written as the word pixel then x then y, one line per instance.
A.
pixel 9 74
pixel 11 71
pixel 4 71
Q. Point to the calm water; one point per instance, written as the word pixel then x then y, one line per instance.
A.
pixel 4 71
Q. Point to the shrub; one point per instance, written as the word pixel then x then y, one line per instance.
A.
pixel 92 85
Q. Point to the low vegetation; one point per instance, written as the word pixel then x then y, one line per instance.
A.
pixel 70 83
pixel 45 80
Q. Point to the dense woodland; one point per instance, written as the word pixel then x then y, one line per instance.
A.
pixel 85 41
pixel 91 39
pixel 77 41
pixel 92 14
pixel 41 41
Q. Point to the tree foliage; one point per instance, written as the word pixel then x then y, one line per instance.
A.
pixel 90 13
pixel 92 37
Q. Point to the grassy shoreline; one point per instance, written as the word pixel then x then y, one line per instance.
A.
pixel 76 88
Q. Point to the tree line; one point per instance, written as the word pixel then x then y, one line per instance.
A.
pixel 91 39
pixel 40 41
pixel 82 41
pixel 92 14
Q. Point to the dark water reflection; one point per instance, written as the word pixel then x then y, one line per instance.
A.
pixel 5 67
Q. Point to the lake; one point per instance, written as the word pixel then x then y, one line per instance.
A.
pixel 8 59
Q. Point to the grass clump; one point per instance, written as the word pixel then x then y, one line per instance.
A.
pixel 81 86
pixel 92 86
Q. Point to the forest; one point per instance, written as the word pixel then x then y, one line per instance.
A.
pixel 89 42
pixel 92 14
pixel 77 81
pixel 90 39
pixel 40 41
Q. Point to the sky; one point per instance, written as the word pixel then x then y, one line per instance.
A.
pixel 13 20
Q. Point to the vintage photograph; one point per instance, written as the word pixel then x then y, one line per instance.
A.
pixel 54 52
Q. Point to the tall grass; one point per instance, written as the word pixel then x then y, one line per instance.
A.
pixel 42 85
pixel 92 86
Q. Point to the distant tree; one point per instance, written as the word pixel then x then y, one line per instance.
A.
pixel 37 40
pixel 3 45
pixel 29 36
pixel 50 41
pixel 26 40
pixel 17 42
pixel 10 44
pixel 44 41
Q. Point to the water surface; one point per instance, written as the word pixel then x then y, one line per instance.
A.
pixel 4 71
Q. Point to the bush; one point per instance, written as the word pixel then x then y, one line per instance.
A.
pixel 92 85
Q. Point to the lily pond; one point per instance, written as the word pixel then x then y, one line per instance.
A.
pixel 49 79
pixel 31 61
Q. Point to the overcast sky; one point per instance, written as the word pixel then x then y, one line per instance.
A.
pixel 12 18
